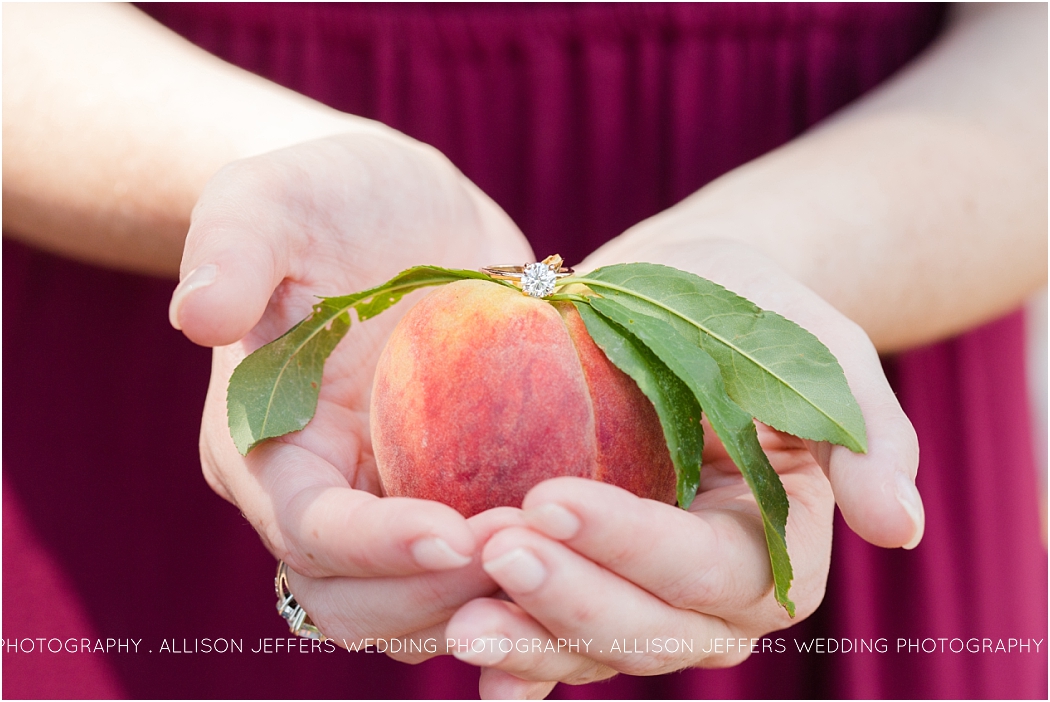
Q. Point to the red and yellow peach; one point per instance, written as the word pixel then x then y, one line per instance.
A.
pixel 483 392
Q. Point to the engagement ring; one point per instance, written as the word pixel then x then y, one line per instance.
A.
pixel 535 279
pixel 298 620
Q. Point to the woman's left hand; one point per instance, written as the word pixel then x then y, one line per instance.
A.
pixel 599 579
pixel 618 583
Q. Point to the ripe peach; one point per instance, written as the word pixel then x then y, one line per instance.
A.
pixel 483 392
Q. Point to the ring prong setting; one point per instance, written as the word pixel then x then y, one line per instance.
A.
pixel 535 279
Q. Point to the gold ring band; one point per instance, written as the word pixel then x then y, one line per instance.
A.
pixel 503 272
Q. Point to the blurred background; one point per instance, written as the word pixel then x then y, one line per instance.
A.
pixel 109 530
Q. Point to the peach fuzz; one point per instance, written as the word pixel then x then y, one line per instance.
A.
pixel 483 392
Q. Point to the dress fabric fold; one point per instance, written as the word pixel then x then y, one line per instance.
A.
pixel 580 121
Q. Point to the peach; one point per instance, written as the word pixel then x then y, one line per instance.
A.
pixel 483 392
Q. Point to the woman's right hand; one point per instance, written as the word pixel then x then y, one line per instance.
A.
pixel 268 235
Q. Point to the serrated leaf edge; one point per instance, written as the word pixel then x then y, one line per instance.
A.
pixel 861 444
pixel 355 299
pixel 782 585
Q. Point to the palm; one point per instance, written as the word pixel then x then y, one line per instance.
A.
pixel 331 217
pixel 724 492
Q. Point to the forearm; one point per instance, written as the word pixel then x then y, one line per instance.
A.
pixel 919 211
pixel 113 124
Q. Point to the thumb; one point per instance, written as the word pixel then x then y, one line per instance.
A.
pixel 876 491
pixel 229 271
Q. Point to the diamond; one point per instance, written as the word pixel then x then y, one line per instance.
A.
pixel 537 280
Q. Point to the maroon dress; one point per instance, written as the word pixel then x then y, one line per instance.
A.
pixel 580 121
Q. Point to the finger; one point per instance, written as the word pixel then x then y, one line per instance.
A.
pixel 404 616
pixel 311 519
pixel 421 645
pixel 233 259
pixel 495 633
pixel 574 598
pixel 713 560
pixel 875 491
pixel 497 685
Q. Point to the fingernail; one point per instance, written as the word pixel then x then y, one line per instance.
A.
pixel 553 520
pixel 199 277
pixel 908 496
pixel 434 553
pixel 517 570
pixel 482 650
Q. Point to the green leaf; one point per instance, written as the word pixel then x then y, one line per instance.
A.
pixel 675 404
pixel 274 390
pixel 699 371
pixel 773 368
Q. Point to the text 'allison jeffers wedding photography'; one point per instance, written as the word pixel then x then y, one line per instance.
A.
pixel 658 646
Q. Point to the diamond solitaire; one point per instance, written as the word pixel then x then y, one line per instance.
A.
pixel 537 280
